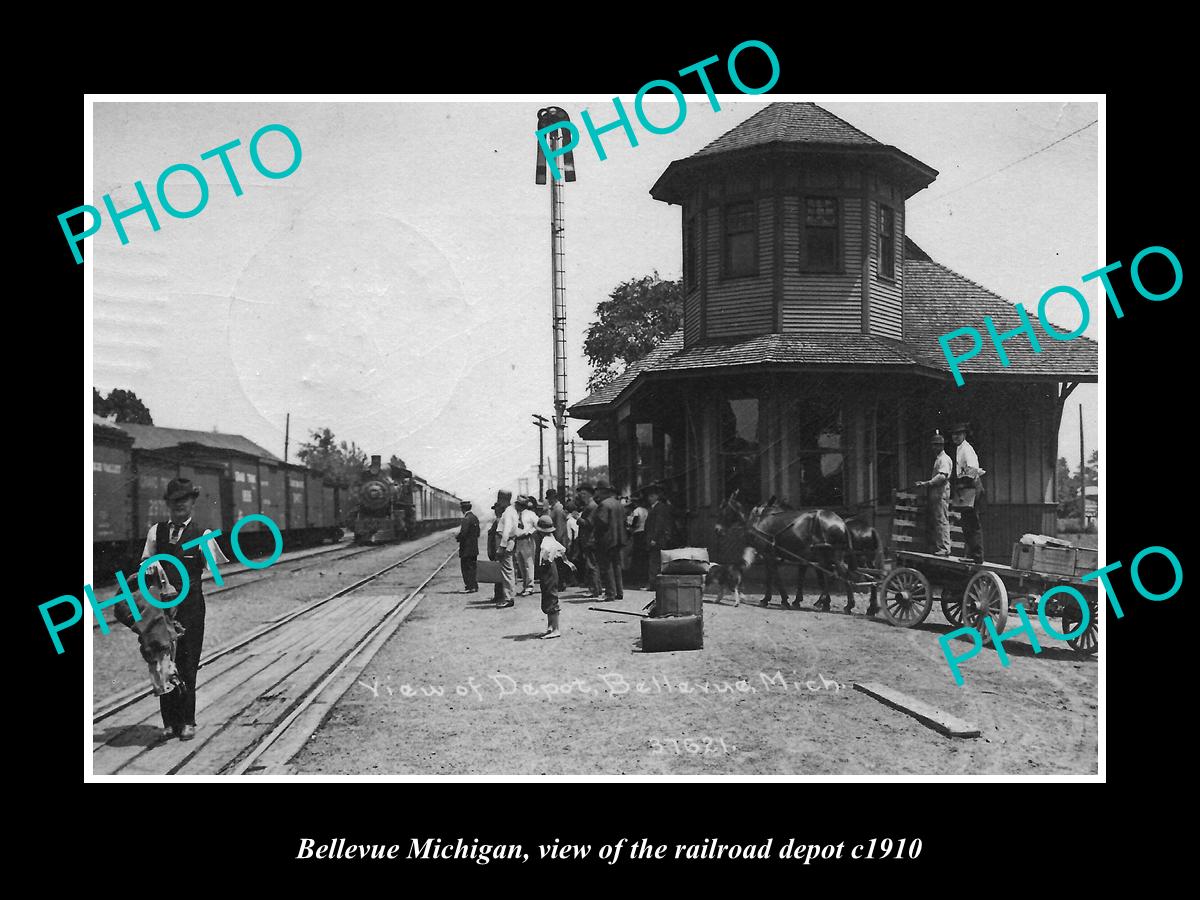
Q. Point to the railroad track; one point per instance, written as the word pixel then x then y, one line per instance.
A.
pixel 268 689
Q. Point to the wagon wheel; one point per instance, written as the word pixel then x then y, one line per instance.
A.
pixel 1089 642
pixel 985 595
pixel 905 597
pixel 952 610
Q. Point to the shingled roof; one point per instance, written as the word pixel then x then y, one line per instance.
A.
pixel 792 123
pixel 937 300
pixel 793 128
pixel 151 437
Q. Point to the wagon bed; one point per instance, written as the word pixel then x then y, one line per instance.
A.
pixel 971 592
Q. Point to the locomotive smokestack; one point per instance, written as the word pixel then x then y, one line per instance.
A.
pixel 376 462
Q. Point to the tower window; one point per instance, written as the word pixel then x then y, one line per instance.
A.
pixel 887 242
pixel 820 252
pixel 741 240
pixel 691 255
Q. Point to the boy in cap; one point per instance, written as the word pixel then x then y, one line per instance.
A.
pixel 549 555
pixel 180 537
pixel 939 496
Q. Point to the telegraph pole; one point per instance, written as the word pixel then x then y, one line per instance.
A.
pixel 539 422
pixel 574 470
pixel 287 487
pixel 1082 475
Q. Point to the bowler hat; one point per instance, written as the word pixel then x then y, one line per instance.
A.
pixel 959 426
pixel 545 525
pixel 937 438
pixel 603 485
pixel 180 487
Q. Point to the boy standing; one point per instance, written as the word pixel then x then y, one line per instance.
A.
pixel 549 555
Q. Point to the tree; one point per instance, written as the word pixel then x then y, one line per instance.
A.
pixel 1064 490
pixel 638 315
pixel 340 464
pixel 126 404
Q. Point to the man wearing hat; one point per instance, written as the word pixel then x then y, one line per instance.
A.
pixel 939 496
pixel 468 547
pixel 526 543
pixel 549 554
pixel 639 555
pixel 608 525
pixel 506 539
pixel 178 707
pixel 660 526
pixel 966 488
pixel 587 537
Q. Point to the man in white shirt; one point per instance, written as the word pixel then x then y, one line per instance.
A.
pixel 506 541
pixel 939 496
pixel 526 545
pixel 966 486
pixel 639 557
pixel 181 538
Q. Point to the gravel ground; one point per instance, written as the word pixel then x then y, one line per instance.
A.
pixel 465 689
pixel 117 664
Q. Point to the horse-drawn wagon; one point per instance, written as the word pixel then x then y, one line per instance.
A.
pixel 904 584
pixel 970 592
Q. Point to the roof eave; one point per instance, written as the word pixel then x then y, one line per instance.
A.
pixel 668 190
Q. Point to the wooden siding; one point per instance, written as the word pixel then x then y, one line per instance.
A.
pixel 886 314
pixel 740 306
pixel 822 301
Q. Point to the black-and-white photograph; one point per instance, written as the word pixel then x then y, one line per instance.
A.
pixel 514 437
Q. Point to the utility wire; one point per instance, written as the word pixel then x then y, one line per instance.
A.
pixel 1021 160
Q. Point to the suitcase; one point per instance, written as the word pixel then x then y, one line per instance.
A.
pixel 487 571
pixel 678 595
pixel 700 553
pixel 674 633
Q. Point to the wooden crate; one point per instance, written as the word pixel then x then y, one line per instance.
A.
pixel 679 595
pixel 1041 558
pixel 1086 561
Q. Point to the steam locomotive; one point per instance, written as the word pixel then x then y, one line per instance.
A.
pixel 395 505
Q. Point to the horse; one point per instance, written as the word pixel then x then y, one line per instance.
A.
pixel 816 536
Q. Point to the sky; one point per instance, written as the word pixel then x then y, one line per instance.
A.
pixel 396 287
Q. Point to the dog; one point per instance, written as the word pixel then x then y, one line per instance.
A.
pixel 157 633
pixel 729 578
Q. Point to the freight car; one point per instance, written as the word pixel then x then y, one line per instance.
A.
pixel 133 463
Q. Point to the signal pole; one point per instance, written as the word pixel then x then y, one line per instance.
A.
pixel 547 117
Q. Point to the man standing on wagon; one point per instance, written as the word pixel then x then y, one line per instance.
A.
pixel 966 488
pixel 181 538
pixel 939 496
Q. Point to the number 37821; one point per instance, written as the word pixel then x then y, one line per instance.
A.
pixel 702 746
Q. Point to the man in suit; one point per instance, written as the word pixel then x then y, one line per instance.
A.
pixel 608 523
pixel 587 537
pixel 506 543
pixel 468 547
pixel 181 538
pixel 660 527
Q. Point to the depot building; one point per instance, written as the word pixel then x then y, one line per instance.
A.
pixel 808 367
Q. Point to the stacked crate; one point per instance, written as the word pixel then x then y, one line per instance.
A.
pixel 676 620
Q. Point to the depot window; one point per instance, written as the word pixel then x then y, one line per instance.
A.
pixel 740 449
pixel 887 242
pixel 691 254
pixel 819 249
pixel 816 468
pixel 741 240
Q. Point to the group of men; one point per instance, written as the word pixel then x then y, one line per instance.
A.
pixel 582 540
pixel 955 482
